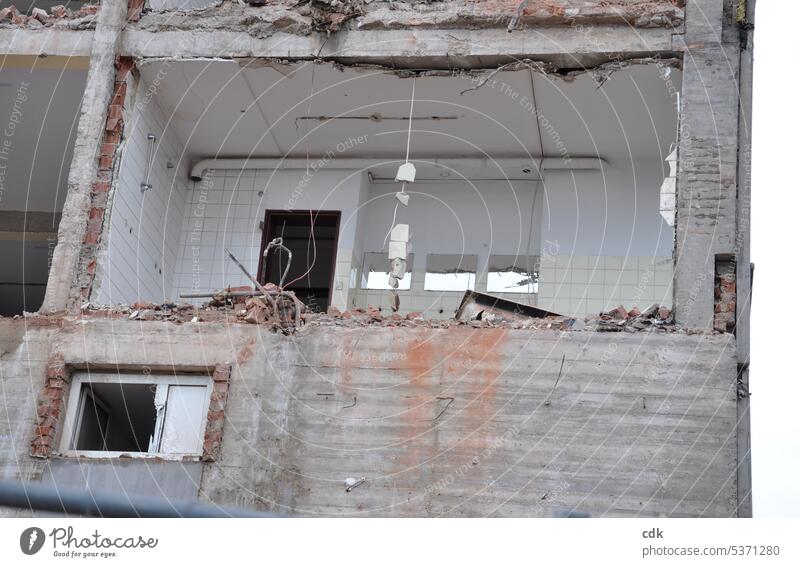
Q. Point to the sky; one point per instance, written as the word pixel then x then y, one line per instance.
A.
pixel 774 378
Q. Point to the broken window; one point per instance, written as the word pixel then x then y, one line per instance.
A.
pixel 376 272
pixel 513 274
pixel 450 272
pixel 113 413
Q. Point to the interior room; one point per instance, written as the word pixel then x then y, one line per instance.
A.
pixel 563 200
pixel 42 98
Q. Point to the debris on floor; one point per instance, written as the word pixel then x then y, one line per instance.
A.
pixel 620 319
pixel 247 306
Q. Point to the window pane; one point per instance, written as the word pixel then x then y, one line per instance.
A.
pixel 512 274
pixel 450 272
pixel 93 424
pixel 184 420
pixel 123 414
pixel 376 272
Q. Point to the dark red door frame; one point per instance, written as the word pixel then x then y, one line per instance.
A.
pixel 269 213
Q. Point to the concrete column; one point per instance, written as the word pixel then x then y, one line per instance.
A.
pixel 743 277
pixel 707 158
pixel 744 476
pixel 83 169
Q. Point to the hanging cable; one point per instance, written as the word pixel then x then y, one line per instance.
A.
pixel 410 117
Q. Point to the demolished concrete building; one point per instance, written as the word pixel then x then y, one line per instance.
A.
pixel 570 156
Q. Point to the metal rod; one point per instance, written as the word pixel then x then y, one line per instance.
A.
pixel 145 185
pixel 199 295
pixel 86 502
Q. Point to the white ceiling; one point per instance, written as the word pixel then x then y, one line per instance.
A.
pixel 227 109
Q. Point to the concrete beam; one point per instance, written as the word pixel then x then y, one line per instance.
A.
pixel 565 47
pixel 43 42
pixel 83 169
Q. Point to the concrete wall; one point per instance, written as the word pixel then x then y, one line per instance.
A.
pixel 640 423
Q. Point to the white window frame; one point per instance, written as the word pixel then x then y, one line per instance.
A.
pixel 162 381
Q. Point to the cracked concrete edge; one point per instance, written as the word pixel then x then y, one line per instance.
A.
pixel 83 169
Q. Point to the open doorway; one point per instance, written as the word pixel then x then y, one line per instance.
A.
pixel 312 237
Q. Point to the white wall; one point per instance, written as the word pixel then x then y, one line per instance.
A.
pixel 490 217
pixel 225 209
pixel 142 238
pixel 601 238
pixel 609 213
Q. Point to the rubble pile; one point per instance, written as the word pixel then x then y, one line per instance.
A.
pixel 257 310
pixel 655 317
pixel 40 18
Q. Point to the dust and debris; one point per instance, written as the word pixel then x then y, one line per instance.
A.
pixel 655 318
pixel 253 310
pixel 59 17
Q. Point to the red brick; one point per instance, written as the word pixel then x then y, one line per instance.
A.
pixel 112 137
pixel 106 162
pixel 135 10
pixel 108 149
pixel 222 373
pixel 99 199
pixel 44 431
pixel 88 9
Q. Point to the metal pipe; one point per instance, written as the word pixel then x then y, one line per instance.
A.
pixel 511 163
pixel 86 502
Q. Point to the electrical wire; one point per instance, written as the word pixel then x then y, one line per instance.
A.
pixel 408 153
pixel 314 257
pixel 313 240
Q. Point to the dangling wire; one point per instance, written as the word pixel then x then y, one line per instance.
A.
pixel 410 116
pixel 408 154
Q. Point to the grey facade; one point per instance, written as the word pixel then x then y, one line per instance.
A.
pixel 438 418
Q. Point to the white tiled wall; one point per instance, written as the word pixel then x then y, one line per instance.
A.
pixel 145 229
pixel 222 211
pixel 579 285
pixel 225 210
pixel 182 229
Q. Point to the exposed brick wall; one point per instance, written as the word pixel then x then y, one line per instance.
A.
pixel 216 412
pixel 50 407
pixel 112 137
pixel 724 293
pixel 135 8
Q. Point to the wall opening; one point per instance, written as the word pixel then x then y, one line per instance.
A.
pixel 556 204
pixel 725 293
pixel 115 417
pixel 41 99
pixel 311 236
